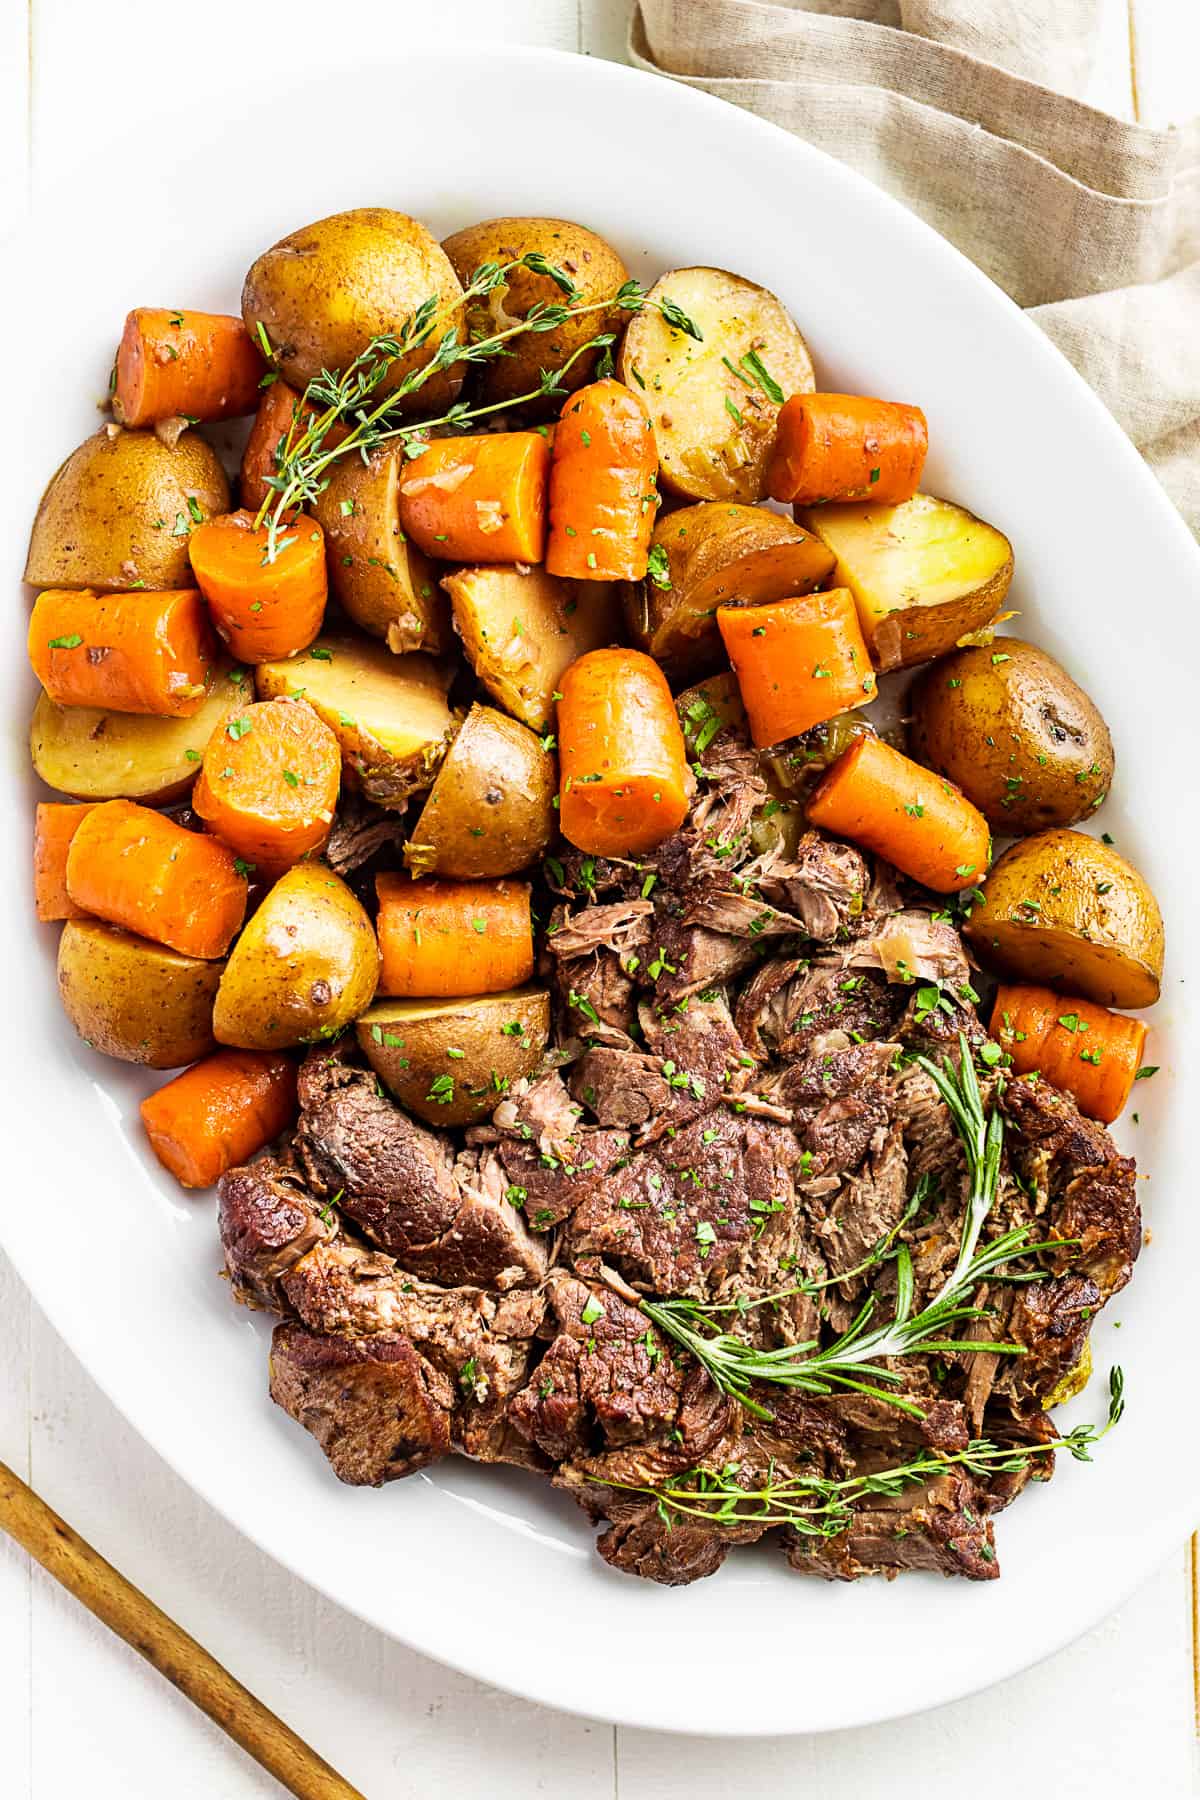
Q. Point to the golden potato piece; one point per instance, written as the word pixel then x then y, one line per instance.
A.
pixel 490 812
pixel 305 965
pixel 1009 727
pixel 1064 910
pixel 119 512
pixel 703 556
pixel 135 1000
pixel 452 1061
pixel 714 403
pixel 323 292
pixel 924 575
pixel 520 628
pixel 97 755
pixel 592 265
pixel 388 713
pixel 381 579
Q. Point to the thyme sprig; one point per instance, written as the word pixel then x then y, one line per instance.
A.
pixel 817 1506
pixel 856 1360
pixel 345 397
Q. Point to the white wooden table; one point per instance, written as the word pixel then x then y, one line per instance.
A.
pixel 79 1713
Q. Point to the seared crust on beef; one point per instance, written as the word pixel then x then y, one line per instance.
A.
pixel 267 1220
pixel 377 1408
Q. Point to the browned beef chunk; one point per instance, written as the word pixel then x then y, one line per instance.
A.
pixel 268 1220
pixel 869 1203
pixel 397 1180
pixel 912 946
pixel 685 959
pixel 824 885
pixel 542 1113
pixel 790 1003
pixel 597 999
pixel 1052 1319
pixel 548 1188
pixel 377 1408
pixel 695 1057
pixel 360 831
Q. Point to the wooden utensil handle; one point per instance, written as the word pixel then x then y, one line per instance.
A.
pixel 126 1610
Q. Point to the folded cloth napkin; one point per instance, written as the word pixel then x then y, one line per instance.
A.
pixel 968 112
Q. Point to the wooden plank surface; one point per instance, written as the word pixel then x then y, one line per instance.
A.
pixel 81 1714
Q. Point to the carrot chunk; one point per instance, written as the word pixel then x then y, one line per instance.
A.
pixel 479 499
pixel 55 826
pixel 263 609
pixel 622 759
pixel 139 869
pixel 133 653
pixel 798 661
pixel 602 486
pixel 442 939
pixel 196 364
pixel 1090 1052
pixel 280 410
pixel 219 1112
pixel 269 783
pixel 917 820
pixel 847 447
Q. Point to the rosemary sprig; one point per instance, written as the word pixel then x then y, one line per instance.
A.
pixel 816 1506
pixel 343 397
pixel 856 1360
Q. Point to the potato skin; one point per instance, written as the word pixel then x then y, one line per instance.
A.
pixel 1009 727
pixel 98 755
pixel 490 811
pixel 408 1044
pixel 715 552
pixel 305 965
pixel 135 1000
pixel 323 292
pixel 1064 910
pixel 521 628
pixel 116 516
pixel 592 264
pixel 381 579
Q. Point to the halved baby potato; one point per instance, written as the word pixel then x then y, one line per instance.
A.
pixel 135 1000
pixel 925 575
pixel 490 811
pixel 388 713
pixel 98 755
pixel 452 1061
pixel 520 628
pixel 304 967
pixel 714 403
pixel 704 556
pixel 381 579
pixel 1066 911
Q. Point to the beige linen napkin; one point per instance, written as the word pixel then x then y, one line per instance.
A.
pixel 967 111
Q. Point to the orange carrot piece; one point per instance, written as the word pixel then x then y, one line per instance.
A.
pixel 1090 1052
pixel 479 499
pixel 139 869
pixel 905 813
pixel 798 661
pixel 219 1113
pixel 263 610
pixel 445 939
pixel 846 447
pixel 622 759
pixel 603 493
pixel 55 826
pixel 201 365
pixel 279 408
pixel 133 653
pixel 269 783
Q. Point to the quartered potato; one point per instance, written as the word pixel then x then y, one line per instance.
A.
pixel 1066 911
pixel 1009 727
pixel 97 755
pixel 388 713
pixel 322 293
pixel 305 965
pixel 118 513
pixel 924 575
pixel 714 403
pixel 490 811
pixel 520 628
pixel 133 999
pixel 703 556
pixel 381 579
pixel 592 265
pixel 452 1061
